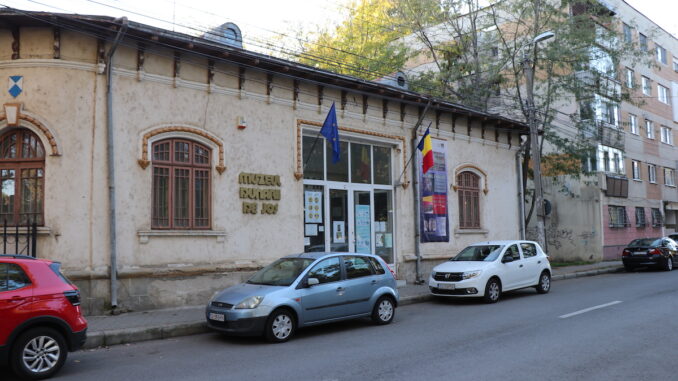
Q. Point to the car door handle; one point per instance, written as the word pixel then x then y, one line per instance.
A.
pixel 374 281
pixel 538 261
pixel 339 289
pixel 520 266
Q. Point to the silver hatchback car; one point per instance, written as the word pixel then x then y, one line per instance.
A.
pixel 306 289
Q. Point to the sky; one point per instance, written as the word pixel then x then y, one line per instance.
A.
pixel 262 22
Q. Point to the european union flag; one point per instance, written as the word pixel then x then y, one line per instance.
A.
pixel 331 133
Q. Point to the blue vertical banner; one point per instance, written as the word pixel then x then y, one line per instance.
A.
pixel 433 188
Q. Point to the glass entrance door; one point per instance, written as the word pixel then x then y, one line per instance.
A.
pixel 338 214
pixel 362 221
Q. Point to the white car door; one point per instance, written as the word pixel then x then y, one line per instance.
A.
pixel 532 264
pixel 511 272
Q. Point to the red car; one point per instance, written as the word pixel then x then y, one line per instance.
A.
pixel 40 315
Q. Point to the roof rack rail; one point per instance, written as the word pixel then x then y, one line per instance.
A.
pixel 16 256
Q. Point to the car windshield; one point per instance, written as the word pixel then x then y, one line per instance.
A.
pixel 281 272
pixel 487 253
pixel 644 242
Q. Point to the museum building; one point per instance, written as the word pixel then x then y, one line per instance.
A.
pixel 160 167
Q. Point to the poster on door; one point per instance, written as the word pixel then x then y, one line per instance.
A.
pixel 363 243
pixel 433 216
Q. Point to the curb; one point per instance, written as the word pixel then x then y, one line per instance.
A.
pixel 133 335
pixel 609 270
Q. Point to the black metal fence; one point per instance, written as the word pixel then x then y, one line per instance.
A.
pixel 20 239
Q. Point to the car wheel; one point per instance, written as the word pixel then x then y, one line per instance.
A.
pixel 628 268
pixel 544 284
pixel 383 311
pixel 668 266
pixel 38 353
pixel 492 291
pixel 280 326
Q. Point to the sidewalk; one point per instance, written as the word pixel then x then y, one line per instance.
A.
pixel 162 324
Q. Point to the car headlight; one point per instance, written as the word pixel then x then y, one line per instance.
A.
pixel 470 274
pixel 249 303
pixel 433 274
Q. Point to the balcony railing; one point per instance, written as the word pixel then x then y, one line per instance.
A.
pixel 604 133
pixel 616 186
pixel 599 83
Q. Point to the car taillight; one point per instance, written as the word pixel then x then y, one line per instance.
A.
pixel 626 253
pixel 654 252
pixel 392 273
pixel 73 296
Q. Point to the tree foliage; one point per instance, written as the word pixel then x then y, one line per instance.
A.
pixel 364 45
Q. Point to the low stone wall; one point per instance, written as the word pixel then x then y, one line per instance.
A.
pixel 155 288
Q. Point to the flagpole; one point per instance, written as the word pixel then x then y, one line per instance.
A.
pixel 415 195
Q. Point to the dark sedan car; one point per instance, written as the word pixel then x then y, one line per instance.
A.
pixel 655 252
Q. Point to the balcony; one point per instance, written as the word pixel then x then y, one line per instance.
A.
pixel 599 83
pixel 616 186
pixel 604 133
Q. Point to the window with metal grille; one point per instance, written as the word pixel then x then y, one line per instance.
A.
pixel 657 218
pixel 618 217
pixel 22 174
pixel 181 185
pixel 640 217
pixel 468 191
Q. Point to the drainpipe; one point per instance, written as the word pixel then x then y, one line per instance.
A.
pixel 111 161
pixel 521 195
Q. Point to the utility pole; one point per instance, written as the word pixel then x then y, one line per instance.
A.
pixel 535 152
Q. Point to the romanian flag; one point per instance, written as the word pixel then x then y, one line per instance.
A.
pixel 426 151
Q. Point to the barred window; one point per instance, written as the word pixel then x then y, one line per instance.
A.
pixel 657 218
pixel 181 185
pixel 618 217
pixel 22 174
pixel 640 217
pixel 469 200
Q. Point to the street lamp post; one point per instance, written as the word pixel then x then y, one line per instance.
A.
pixel 534 142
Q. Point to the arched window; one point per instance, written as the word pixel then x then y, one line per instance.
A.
pixel 468 191
pixel 181 185
pixel 22 178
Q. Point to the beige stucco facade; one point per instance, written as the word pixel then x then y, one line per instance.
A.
pixel 64 99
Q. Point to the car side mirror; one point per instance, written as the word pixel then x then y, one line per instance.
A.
pixel 507 258
pixel 312 282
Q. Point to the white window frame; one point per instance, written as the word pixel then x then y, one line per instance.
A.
pixel 630 78
pixel 611 160
pixel 635 169
pixel 652 173
pixel 628 33
pixel 646 86
pixel 633 122
pixel 663 94
pixel 661 54
pixel 649 126
pixel 666 135
pixel 669 179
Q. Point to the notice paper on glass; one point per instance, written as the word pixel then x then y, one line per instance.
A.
pixel 311 230
pixel 313 207
pixel 339 232
pixel 388 240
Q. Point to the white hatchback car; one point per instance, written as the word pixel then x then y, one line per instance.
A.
pixel 486 269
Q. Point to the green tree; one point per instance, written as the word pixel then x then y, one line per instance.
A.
pixel 477 52
pixel 364 45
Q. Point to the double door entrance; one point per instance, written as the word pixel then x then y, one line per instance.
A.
pixel 348 217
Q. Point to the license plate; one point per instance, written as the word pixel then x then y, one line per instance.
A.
pixel 639 253
pixel 446 286
pixel 217 317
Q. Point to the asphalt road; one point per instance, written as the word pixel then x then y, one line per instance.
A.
pixel 608 327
